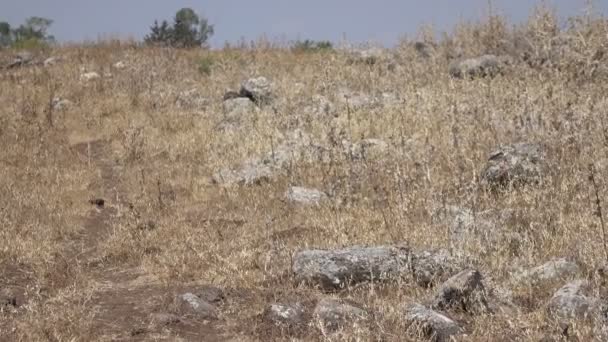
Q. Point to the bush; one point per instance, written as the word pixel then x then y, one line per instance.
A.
pixel 205 64
pixel 312 46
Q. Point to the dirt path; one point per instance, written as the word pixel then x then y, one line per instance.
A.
pixel 126 304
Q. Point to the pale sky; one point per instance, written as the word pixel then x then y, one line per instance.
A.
pixel 379 21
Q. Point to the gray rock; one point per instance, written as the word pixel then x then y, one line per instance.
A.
pixel 369 56
pixel 21 59
pixel 190 302
pixel 334 314
pixel 356 101
pixel 289 315
pixel 431 324
pixel 60 104
pixel 486 65
pixel 464 291
pixel 50 61
pixel 307 196
pixel 553 271
pixel 336 269
pixel 570 302
pixel 191 99
pixel 162 319
pixel 257 89
pixel 431 267
pixel 89 76
pixel 517 164
pixel 119 65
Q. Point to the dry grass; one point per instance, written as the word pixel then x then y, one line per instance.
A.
pixel 153 162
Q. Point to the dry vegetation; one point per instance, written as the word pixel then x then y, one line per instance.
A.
pixel 83 273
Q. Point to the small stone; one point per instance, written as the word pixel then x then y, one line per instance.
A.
pixel 192 303
pixel 119 65
pixel 516 164
pixel 334 314
pixel 89 76
pixel 431 324
pixel 60 104
pixel 163 319
pixel 50 61
pixel 259 90
pixel 290 315
pixel 486 65
pixel 306 196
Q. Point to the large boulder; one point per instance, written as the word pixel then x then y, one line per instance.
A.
pixel 432 267
pixel 464 292
pixel 21 59
pixel 331 270
pixel 516 164
pixel 482 66
pixel 549 273
pixel 570 302
pixel 259 90
pixel 430 324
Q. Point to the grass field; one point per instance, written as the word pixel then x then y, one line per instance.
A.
pixel 148 135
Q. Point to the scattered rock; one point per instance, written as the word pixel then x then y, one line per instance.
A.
pixel 210 294
pixel 369 56
pixel 190 302
pixel 307 196
pixel 119 65
pixel 98 202
pixel 60 104
pixel 50 61
pixel 287 315
pixel 22 58
pixel 431 267
pixel 259 90
pixel 431 324
pixel 337 269
pixel 549 273
pixel 89 76
pixel 486 65
pixel 517 164
pixel 570 302
pixel 191 99
pixel 334 314
pixel 464 291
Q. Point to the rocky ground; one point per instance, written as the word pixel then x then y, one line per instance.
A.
pixel 438 191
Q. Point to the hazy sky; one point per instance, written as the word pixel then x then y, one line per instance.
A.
pixel 382 21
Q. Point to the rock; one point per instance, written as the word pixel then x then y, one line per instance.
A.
pixel 570 302
pixel 89 76
pixel 21 59
pixel 549 273
pixel 60 104
pixel 390 100
pixel 430 267
pixel 464 291
pixel 433 325
pixel 368 149
pixel 486 65
pixel 50 61
pixel 190 302
pixel 288 315
pixel 332 270
pixel 517 164
pixel 259 90
pixel 356 101
pixel 252 172
pixel 210 294
pixel 191 99
pixel 302 195
pixel 334 314
pixel 119 65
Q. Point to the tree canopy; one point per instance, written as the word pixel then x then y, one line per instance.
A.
pixel 188 31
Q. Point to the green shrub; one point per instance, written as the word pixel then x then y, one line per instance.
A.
pixel 312 46
pixel 205 64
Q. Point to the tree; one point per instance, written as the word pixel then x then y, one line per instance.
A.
pixel 188 30
pixel 35 28
pixel 6 34
pixel 160 34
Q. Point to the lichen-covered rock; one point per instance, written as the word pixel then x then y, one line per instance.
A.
pixel 551 272
pixel 334 314
pixel 517 164
pixel 570 302
pixel 486 65
pixel 259 90
pixel 431 324
pixel 331 270
pixel 431 267
pixel 464 291
pixel 193 304
pixel 305 196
